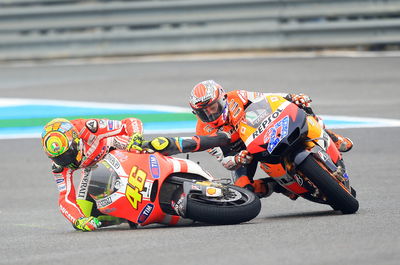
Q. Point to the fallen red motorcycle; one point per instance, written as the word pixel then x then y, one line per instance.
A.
pixel 296 152
pixel 153 188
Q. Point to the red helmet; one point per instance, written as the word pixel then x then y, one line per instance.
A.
pixel 61 143
pixel 208 101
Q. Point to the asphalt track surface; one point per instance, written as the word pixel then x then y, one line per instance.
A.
pixel 32 231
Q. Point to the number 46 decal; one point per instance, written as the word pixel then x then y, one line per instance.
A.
pixel 135 185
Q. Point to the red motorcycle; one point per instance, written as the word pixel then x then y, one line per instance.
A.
pixel 296 152
pixel 153 188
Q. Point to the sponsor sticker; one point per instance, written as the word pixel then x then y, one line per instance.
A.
pixel 92 125
pixel 154 166
pixel 59 180
pixel 323 155
pixel 110 125
pixel 145 213
pixel 61 184
pixel 266 122
pixel 113 161
pixel 104 202
pixel 102 124
pixel 298 179
pixel 61 187
pixel 195 187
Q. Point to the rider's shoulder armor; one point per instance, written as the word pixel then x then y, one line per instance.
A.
pixel 237 100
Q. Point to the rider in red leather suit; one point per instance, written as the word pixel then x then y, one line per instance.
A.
pixel 79 144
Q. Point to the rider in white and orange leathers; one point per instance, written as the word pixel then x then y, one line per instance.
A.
pixel 219 111
pixel 80 144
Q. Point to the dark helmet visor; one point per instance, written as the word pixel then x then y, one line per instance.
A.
pixel 212 111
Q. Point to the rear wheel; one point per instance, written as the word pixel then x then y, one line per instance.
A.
pixel 338 197
pixel 239 205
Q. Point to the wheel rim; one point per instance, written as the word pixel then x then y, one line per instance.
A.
pixel 231 197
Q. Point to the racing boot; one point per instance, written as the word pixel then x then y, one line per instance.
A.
pixel 279 189
pixel 343 144
pixel 272 186
pixel 108 220
pixel 260 187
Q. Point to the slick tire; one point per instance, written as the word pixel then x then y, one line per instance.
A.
pixel 243 209
pixel 338 197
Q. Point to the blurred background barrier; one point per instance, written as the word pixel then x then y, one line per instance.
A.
pixel 46 29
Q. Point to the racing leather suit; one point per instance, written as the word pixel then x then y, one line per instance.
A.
pixel 99 136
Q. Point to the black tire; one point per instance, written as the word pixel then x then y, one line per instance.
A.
pixel 337 196
pixel 132 225
pixel 243 209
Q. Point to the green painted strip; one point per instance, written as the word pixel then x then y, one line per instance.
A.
pixel 157 117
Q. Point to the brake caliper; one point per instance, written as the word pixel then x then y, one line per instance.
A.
pixel 211 189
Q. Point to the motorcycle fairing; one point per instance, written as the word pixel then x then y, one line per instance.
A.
pixel 188 166
pixel 279 131
pixel 141 176
pixel 279 128
pixel 133 194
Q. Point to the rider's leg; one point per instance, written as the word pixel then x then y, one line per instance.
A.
pixel 343 144
pixel 243 177
pixel 276 187
pixel 88 205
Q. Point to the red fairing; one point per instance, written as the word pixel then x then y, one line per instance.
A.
pixel 333 152
pixel 134 203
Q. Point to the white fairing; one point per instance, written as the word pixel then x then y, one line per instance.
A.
pixel 192 167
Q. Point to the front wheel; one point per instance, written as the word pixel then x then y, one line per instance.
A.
pixel 338 197
pixel 237 206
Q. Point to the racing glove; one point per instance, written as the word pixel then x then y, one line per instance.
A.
pixel 87 223
pixel 240 159
pixel 301 100
pixel 217 153
pixel 243 157
pixel 135 143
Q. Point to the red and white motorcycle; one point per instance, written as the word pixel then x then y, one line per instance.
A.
pixel 153 188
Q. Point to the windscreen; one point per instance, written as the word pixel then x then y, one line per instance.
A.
pixel 103 180
pixel 257 112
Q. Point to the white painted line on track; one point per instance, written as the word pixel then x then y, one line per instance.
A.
pixel 203 57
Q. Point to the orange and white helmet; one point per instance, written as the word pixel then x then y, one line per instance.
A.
pixel 208 102
pixel 61 143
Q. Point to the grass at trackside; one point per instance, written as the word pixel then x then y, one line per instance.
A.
pixel 164 117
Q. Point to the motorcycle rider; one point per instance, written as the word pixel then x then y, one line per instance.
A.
pixel 217 112
pixel 80 144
